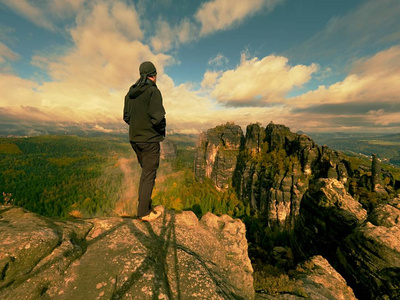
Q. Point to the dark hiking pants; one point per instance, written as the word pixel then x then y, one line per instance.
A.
pixel 148 155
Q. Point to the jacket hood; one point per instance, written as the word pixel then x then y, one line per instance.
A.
pixel 136 90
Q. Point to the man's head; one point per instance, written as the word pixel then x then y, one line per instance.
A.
pixel 147 69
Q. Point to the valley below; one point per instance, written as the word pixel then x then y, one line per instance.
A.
pixel 319 223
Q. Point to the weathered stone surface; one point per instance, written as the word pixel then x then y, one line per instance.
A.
pixel 387 215
pixel 175 257
pixel 321 281
pixel 216 154
pixel 279 137
pixel 327 215
pixel 255 136
pixel 273 174
pixel 371 255
pixel 316 279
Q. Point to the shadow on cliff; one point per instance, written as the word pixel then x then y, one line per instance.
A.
pixel 157 248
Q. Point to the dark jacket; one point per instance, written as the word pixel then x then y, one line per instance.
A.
pixel 144 113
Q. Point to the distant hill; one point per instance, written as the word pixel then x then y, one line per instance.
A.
pixel 385 146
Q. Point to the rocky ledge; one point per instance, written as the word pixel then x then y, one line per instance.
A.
pixel 175 257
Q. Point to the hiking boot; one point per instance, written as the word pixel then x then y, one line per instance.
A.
pixel 153 215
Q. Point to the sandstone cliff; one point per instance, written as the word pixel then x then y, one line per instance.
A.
pixel 175 257
pixel 327 206
pixel 216 154
pixel 370 256
pixel 270 167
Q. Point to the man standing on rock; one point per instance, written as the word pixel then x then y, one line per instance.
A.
pixel 145 115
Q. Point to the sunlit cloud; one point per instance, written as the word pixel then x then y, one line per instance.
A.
pixel 168 37
pixel 218 61
pixel 383 118
pixel 212 16
pixel 7 54
pixel 46 13
pixel 373 80
pixel 257 82
pixel 189 110
pixel 221 14
pixel 373 23
pixel 30 11
pixel 210 79
pixel 369 97
pixel 89 80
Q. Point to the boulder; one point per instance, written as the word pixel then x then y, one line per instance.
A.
pixel 328 214
pixel 174 257
pixel 315 279
pixel 370 256
pixel 320 281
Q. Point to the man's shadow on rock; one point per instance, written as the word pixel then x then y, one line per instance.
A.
pixel 157 250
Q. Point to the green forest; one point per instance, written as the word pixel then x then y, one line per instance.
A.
pixel 82 177
pixel 71 176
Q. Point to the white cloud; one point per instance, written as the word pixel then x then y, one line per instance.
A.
pixel 7 54
pixel 210 79
pixel 368 99
pixel 31 12
pixel 63 8
pixel 46 13
pixel 89 80
pixel 213 16
pixel 188 110
pixel 218 61
pixel 372 24
pixel 374 79
pixel 168 37
pixel 223 14
pixel 258 82
pixel 383 118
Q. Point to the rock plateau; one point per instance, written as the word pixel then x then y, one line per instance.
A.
pixel 175 257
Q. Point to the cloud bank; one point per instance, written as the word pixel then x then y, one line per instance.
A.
pixel 259 82
pixel 89 79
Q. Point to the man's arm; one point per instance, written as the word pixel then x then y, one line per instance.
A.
pixel 157 112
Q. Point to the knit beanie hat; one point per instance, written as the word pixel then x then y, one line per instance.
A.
pixel 147 69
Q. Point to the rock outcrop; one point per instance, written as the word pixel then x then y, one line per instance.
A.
pixel 275 168
pixel 321 281
pixel 328 215
pixel 315 279
pixel 370 256
pixel 325 202
pixel 216 155
pixel 175 257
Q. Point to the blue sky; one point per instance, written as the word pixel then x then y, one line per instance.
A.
pixel 315 66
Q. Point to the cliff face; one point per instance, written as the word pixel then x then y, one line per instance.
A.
pixel 370 256
pixel 325 204
pixel 270 168
pixel 175 257
pixel 217 153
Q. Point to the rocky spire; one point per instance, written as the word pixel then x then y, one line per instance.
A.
pixel 376 172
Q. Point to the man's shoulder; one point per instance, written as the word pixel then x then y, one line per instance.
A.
pixel 153 89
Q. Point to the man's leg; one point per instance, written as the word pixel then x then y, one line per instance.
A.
pixel 138 152
pixel 150 160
